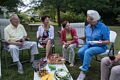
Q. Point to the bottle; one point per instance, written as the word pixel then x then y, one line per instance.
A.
pixel 112 58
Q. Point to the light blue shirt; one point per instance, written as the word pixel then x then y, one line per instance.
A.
pixel 99 32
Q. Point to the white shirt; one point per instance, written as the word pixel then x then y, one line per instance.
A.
pixel 41 30
pixel 12 33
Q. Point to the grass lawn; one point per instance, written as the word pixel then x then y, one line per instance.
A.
pixel 93 74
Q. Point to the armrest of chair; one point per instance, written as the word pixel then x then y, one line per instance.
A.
pixel 3 43
pixel 111 50
pixel 37 41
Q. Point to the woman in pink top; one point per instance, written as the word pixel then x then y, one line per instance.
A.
pixel 69 41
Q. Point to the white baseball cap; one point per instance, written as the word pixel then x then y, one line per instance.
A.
pixel 93 14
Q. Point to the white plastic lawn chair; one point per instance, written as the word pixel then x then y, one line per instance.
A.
pixel 113 36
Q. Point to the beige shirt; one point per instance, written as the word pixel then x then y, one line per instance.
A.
pixel 12 33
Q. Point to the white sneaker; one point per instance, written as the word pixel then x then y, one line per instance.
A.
pixel 20 71
pixel 45 59
pixel 20 68
pixel 80 67
pixel 81 76
pixel 71 65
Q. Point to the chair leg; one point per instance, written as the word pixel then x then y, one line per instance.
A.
pixel 29 55
pixel 6 59
pixel 6 63
pixel 1 53
pixel 27 60
pixel 54 50
pixel 22 55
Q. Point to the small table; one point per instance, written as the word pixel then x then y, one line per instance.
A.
pixel 36 76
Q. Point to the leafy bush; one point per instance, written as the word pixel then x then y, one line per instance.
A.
pixel 118 19
pixel 24 19
pixel 73 17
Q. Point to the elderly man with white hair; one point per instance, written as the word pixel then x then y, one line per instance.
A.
pixel 97 38
pixel 16 35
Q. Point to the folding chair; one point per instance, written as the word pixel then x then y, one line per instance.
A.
pixel 80 29
pixel 110 51
pixel 3 24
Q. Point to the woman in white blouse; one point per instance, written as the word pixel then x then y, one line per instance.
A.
pixel 45 34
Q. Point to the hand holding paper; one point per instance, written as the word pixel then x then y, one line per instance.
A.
pixel 94 42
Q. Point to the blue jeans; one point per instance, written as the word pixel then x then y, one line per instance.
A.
pixel 86 53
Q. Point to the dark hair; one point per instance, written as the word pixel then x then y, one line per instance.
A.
pixel 64 23
pixel 44 17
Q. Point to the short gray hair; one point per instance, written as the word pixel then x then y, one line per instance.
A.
pixel 13 15
pixel 93 14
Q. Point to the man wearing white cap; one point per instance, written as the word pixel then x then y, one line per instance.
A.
pixel 97 38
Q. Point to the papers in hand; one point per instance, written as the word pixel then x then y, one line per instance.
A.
pixel 94 42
